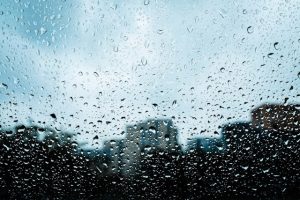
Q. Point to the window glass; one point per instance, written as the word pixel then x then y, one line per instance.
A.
pixel 149 99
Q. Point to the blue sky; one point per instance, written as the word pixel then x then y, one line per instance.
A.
pixel 87 61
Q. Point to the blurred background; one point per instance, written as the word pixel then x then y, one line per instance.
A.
pixel 110 83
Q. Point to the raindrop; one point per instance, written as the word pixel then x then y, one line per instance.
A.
pixel 189 29
pixel 147 148
pixel 96 137
pixel 144 61
pixel 43 30
pixel 41 130
pixel 276 45
pixel 250 29
pixel 116 49
pixel 53 116
pixel 167 137
pixel 244 167
pixel 286 142
pixel 146 44
pixel 96 74
pixel 16 81
pixel 220 148
pixel 74 144
pixel 222 13
pixel 6 147
pixel 146 2
pixel 174 103
pixel 160 31
pixel 222 69
pixel 270 55
pixel 3 85
pixel 152 129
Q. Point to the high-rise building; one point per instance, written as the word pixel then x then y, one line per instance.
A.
pixel 113 149
pixel 269 122
pixel 239 135
pixel 144 137
pixel 206 144
pixel 277 117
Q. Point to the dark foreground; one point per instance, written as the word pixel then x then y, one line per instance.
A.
pixel 268 168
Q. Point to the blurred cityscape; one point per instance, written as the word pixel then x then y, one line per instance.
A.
pixel 258 159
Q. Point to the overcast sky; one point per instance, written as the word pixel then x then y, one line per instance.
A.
pixel 207 63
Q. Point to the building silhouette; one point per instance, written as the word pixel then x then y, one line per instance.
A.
pixel 270 124
pixel 277 117
pixel 147 136
pixel 142 138
pixel 239 135
pixel 113 149
pixel 206 144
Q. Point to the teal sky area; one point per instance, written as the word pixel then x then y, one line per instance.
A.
pixel 207 63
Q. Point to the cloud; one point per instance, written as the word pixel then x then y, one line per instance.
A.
pixel 115 60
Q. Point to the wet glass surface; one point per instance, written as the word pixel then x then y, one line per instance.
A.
pixel 149 99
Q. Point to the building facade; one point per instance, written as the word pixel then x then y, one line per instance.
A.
pixel 144 137
pixel 277 117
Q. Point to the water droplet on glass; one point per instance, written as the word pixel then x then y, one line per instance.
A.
pixel 270 55
pixel 96 74
pixel 152 129
pixel 16 81
pixel 174 103
pixel 276 45
pixel 3 85
pixel 223 13
pixel 244 167
pixel 96 137
pixel 43 30
pixel 116 49
pixel 53 116
pixel 250 29
pixel 146 2
pixel 144 61
pixel 6 147
pixel 160 31
pixel 147 148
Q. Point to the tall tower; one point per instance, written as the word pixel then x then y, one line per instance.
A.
pixel 277 117
pixel 114 150
pixel 144 137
